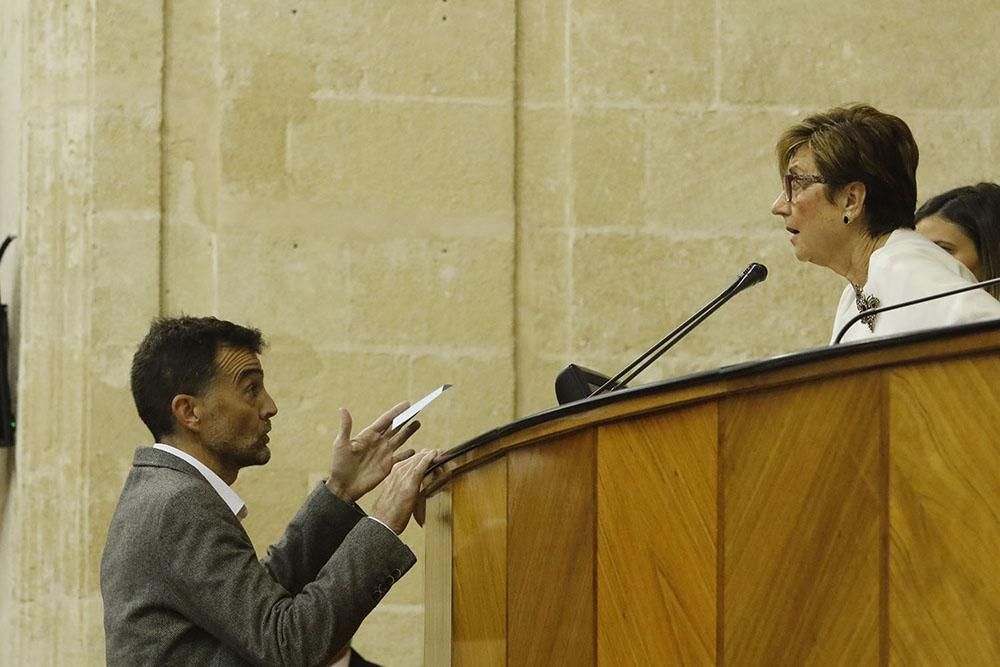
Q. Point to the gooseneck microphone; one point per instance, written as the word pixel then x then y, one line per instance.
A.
pixel 753 274
pixel 875 311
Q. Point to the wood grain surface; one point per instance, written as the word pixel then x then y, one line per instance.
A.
pixel 820 514
pixel 944 602
pixel 802 524
pixel 479 543
pixel 552 517
pixel 437 579
pixel 656 542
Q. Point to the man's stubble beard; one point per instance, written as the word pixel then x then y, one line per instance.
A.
pixel 255 454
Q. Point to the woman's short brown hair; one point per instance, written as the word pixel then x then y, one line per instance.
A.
pixel 860 143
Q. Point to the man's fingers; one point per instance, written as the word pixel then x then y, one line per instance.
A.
pixel 384 423
pixel 403 434
pixel 420 510
pixel 345 425
pixel 439 471
pixel 414 466
pixel 424 460
pixel 402 456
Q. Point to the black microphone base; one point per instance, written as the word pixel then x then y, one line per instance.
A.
pixel 575 383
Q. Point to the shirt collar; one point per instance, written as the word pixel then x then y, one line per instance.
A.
pixel 344 661
pixel 230 497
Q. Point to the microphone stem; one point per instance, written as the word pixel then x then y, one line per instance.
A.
pixel 679 332
pixel 683 331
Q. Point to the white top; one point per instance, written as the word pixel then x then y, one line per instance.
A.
pixel 230 497
pixel 908 267
pixel 345 660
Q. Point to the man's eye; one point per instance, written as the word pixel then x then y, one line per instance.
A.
pixel 253 388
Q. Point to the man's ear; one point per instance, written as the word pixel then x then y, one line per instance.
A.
pixel 187 412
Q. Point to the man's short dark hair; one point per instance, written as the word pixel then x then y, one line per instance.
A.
pixel 177 356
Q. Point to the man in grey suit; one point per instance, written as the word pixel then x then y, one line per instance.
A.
pixel 180 578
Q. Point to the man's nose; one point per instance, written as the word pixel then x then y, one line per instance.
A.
pixel 270 408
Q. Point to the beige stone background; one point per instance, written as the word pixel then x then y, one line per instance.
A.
pixel 401 193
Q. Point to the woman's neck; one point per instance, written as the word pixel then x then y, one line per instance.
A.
pixel 855 265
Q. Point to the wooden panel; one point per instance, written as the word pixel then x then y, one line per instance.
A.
pixel 550 552
pixel 656 539
pixel 796 516
pixel 802 524
pixel 944 601
pixel 437 579
pixel 479 539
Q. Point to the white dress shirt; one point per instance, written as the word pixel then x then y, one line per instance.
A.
pixel 230 497
pixel 344 660
pixel 908 267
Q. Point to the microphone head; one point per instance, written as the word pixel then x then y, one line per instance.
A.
pixel 753 274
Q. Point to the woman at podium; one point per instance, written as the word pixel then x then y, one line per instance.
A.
pixel 847 202
pixel 965 222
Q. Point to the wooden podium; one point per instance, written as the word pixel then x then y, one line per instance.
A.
pixel 839 506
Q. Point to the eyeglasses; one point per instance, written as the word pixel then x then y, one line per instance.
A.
pixel 791 179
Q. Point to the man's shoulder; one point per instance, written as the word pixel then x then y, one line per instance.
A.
pixel 151 457
pixel 156 467
pixel 159 481
pixel 161 502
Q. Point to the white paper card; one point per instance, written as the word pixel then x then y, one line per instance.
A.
pixel 412 411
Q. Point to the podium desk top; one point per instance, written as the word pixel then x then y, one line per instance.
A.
pixel 815 363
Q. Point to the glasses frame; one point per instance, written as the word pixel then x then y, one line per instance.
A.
pixel 791 178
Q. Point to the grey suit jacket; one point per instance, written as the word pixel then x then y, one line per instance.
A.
pixel 182 584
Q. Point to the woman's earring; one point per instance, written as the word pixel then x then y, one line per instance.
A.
pixel 846 220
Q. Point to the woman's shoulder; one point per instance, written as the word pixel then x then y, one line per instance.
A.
pixel 909 266
pixel 906 241
pixel 909 254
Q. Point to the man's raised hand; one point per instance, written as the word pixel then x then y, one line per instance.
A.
pixel 360 463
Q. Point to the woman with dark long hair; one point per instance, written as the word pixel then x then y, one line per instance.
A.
pixel 966 223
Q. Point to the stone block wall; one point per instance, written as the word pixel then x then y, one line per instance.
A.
pixel 401 194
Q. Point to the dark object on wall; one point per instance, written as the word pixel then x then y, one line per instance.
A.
pixel 8 422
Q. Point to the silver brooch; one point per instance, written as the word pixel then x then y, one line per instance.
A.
pixel 866 302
